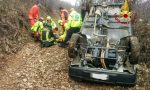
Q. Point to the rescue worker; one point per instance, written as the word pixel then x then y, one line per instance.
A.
pixel 34 13
pixel 64 18
pixel 61 29
pixel 51 25
pixel 47 38
pixel 73 26
pixel 63 15
pixel 36 29
pixel 62 37
pixel 60 22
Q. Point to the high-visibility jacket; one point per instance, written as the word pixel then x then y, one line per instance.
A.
pixel 38 26
pixel 62 37
pixel 50 25
pixel 64 16
pixel 34 12
pixel 60 22
pixel 46 35
pixel 53 24
pixel 74 20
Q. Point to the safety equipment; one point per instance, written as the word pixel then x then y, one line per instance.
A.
pixel 62 37
pixel 50 23
pixel 46 35
pixel 47 38
pixel 74 20
pixel 60 22
pixel 53 24
pixel 66 26
pixel 48 18
pixel 33 14
pixel 38 26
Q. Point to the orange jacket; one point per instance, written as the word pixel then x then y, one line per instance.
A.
pixel 34 12
pixel 64 16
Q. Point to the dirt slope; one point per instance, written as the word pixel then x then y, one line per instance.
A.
pixel 34 68
pixel 14 25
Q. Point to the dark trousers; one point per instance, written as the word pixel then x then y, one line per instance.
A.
pixel 46 43
pixel 70 32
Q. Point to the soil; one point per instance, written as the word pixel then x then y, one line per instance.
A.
pixel 36 68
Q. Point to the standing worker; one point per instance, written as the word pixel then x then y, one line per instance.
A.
pixel 64 18
pixel 73 26
pixel 34 13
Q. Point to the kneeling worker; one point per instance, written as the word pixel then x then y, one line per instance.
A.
pixel 47 38
pixel 51 25
pixel 36 29
pixel 73 26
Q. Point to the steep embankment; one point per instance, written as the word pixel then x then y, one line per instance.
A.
pixel 14 26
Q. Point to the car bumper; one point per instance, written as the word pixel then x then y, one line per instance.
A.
pixel 102 76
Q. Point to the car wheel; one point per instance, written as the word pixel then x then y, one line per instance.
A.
pixel 135 50
pixel 72 52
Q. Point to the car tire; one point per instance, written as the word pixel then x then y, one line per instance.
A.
pixel 72 45
pixel 135 50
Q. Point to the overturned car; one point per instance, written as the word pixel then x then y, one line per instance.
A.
pixel 105 50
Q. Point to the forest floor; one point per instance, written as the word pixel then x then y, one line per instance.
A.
pixel 36 68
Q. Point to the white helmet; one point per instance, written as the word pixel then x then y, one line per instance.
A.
pixel 48 18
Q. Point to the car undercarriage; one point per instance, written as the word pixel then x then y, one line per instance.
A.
pixel 104 50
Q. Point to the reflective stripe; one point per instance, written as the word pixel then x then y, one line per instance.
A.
pixel 45 36
pixel 38 26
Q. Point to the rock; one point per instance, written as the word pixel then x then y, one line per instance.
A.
pixel 25 80
pixel 18 74
pixel 40 61
pixel 29 85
